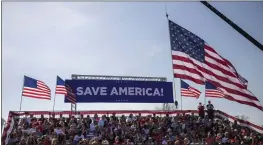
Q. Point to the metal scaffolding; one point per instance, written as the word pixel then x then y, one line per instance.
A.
pixel 124 78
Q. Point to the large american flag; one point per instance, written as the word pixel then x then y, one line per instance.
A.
pixel 62 88
pixel 188 91
pixel 35 89
pixel 213 91
pixel 195 60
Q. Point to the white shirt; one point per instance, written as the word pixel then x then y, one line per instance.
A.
pixel 28 120
pixel 183 126
pixel 146 131
pixel 59 131
pixel 92 127
pixel 31 130
pixel 133 127
pixel 224 140
pixel 101 122
pixel 130 119
pixel 76 138
pixel 164 142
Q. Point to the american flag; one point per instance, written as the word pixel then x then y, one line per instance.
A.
pixel 233 69
pixel 243 80
pixel 195 60
pixel 213 91
pixel 35 89
pixel 62 88
pixel 188 91
pixel 70 95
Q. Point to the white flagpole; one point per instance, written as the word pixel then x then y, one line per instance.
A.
pixel 22 94
pixel 181 94
pixel 55 97
pixel 174 91
pixel 54 101
pixel 205 95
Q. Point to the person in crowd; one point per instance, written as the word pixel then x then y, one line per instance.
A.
pixel 180 129
pixel 210 140
pixel 201 110
pixel 210 110
pixel 78 138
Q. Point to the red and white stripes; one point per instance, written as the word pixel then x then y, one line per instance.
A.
pixel 216 70
pixel 41 92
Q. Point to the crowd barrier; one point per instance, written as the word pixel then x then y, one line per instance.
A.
pixel 14 114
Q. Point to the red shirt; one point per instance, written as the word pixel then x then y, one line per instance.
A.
pixel 40 128
pixel 157 136
pixel 218 138
pixel 201 109
pixel 46 142
pixel 210 140
pixel 142 122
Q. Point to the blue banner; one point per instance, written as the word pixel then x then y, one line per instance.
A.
pixel 112 91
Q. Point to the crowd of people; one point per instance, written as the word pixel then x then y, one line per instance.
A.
pixel 182 129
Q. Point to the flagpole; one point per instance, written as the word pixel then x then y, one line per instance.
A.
pixel 181 94
pixel 174 92
pixel 54 102
pixel 22 94
pixel 205 95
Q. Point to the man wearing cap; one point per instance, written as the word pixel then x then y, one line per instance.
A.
pixel 210 110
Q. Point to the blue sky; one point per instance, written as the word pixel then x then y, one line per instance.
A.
pixel 42 40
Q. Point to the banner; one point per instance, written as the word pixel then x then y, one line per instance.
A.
pixel 112 91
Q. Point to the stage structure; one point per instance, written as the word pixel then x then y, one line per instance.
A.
pixel 123 78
